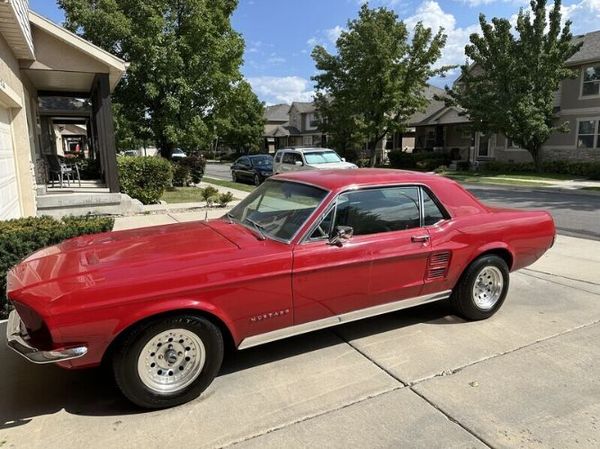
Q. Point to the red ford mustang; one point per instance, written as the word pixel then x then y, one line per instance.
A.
pixel 304 251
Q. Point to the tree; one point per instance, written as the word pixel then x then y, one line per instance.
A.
pixel 376 80
pixel 184 63
pixel 511 84
pixel 240 120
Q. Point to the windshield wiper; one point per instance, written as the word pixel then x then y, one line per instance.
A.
pixel 258 227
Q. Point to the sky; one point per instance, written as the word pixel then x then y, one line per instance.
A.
pixel 280 34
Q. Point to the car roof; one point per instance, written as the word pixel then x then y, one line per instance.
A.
pixel 302 150
pixel 363 177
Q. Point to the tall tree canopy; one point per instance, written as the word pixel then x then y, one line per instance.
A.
pixel 184 67
pixel 377 78
pixel 512 81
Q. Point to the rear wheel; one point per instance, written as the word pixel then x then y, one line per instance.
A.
pixel 233 176
pixel 169 361
pixel 482 289
pixel 257 180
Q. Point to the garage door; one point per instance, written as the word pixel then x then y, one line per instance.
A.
pixel 9 193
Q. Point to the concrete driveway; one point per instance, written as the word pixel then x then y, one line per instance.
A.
pixel 418 378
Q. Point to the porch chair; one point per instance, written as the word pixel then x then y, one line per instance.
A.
pixel 62 171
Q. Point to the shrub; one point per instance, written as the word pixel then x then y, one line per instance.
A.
pixel 210 195
pixel 182 175
pixel 427 160
pixel 145 178
pixel 19 238
pixel 225 198
pixel 196 166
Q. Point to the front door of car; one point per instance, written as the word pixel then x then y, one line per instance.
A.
pixel 389 219
pixel 385 261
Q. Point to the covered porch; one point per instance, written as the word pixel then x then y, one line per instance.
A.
pixel 70 86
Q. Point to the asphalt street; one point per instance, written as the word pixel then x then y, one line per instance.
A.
pixel 575 214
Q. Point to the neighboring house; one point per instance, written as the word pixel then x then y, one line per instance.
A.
pixel 51 81
pixel 577 102
pixel 292 126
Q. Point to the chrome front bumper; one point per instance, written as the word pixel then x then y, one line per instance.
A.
pixel 16 338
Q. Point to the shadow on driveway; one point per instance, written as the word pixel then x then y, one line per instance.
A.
pixel 28 391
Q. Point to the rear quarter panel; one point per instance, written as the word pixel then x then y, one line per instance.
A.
pixel 526 235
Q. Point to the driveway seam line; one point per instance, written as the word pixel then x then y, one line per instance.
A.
pixel 452 419
pixel 579 289
pixel 560 276
pixel 451 372
pixel 396 378
pixel 310 417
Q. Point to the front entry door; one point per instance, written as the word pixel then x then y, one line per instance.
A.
pixel 484 145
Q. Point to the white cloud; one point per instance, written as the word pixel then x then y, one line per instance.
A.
pixel 285 89
pixel 433 16
pixel 584 14
pixel 334 33
pixel 473 3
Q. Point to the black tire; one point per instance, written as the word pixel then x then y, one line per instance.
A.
pixel 257 180
pixel 463 297
pixel 125 361
pixel 234 176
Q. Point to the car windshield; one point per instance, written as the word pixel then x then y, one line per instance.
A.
pixel 321 157
pixel 278 209
pixel 265 161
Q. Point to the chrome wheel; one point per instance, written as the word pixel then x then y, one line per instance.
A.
pixel 171 361
pixel 488 288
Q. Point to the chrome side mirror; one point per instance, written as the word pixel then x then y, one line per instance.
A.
pixel 340 235
pixel 299 163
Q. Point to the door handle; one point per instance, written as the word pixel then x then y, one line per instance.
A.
pixel 420 238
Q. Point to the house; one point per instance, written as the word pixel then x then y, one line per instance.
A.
pixel 576 102
pixel 292 126
pixel 55 89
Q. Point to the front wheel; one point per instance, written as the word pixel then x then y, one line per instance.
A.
pixel 169 361
pixel 482 289
pixel 233 176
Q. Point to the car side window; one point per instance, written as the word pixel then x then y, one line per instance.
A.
pixel 297 158
pixel 288 158
pixel 374 211
pixel 432 213
pixel 278 156
pixel 244 161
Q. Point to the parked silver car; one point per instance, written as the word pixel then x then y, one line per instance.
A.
pixel 297 159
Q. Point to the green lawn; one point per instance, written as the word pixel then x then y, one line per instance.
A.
pixel 592 189
pixel 230 184
pixel 183 195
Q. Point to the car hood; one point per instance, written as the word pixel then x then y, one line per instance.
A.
pixel 118 250
pixel 333 165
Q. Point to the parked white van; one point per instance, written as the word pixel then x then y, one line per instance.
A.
pixel 296 159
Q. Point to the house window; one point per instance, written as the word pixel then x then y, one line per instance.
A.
pixel 591 81
pixel 587 134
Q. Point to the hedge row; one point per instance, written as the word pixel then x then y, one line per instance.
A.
pixel 589 170
pixel 188 170
pixel 21 237
pixel 423 161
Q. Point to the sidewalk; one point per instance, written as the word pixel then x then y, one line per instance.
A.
pixel 163 214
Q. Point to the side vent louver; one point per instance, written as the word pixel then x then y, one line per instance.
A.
pixel 437 266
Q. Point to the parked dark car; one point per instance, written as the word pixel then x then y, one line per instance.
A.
pixel 255 168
